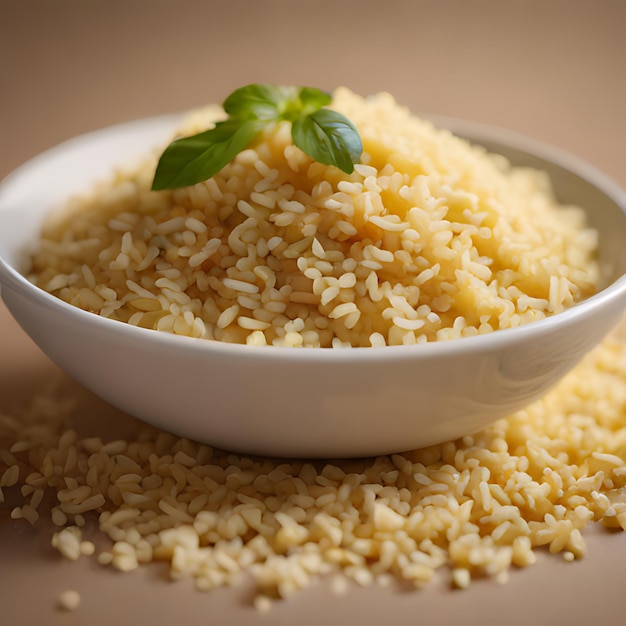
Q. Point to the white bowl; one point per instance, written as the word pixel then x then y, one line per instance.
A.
pixel 305 402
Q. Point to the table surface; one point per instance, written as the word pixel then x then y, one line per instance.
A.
pixel 550 69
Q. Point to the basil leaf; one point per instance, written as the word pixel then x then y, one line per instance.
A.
pixel 312 99
pixel 328 137
pixel 191 160
pixel 323 134
pixel 260 102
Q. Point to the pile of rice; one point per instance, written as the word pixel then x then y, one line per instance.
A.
pixel 474 507
pixel 429 239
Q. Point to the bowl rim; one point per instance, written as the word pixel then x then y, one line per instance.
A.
pixel 475 132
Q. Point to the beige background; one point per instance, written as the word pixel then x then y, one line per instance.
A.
pixel 552 69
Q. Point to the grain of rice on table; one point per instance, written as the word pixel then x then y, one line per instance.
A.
pixel 475 507
pixel 429 239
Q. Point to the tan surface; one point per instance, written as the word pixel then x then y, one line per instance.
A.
pixel 554 70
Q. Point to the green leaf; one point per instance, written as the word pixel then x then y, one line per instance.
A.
pixel 191 160
pixel 260 102
pixel 312 99
pixel 323 134
pixel 328 137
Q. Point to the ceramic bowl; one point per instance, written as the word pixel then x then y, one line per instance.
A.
pixel 305 402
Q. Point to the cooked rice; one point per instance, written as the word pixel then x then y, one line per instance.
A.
pixel 474 507
pixel 429 239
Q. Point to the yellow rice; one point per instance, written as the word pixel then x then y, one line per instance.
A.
pixel 429 239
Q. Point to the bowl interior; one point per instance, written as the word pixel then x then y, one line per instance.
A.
pixel 574 182
pixel 94 156
pixel 91 157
